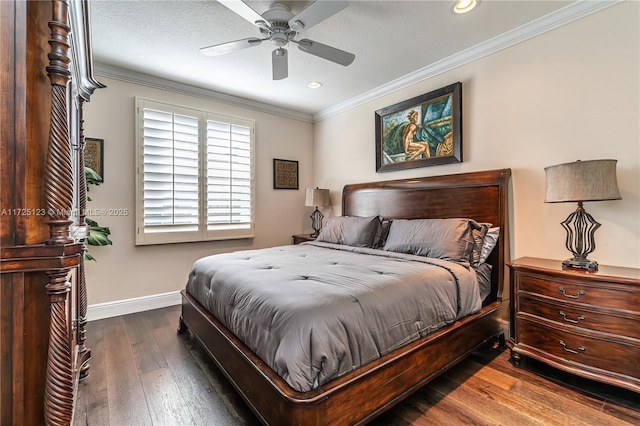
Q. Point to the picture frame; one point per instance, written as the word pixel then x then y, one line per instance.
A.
pixel 421 131
pixel 94 155
pixel 285 174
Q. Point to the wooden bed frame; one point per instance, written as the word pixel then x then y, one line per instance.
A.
pixel 363 394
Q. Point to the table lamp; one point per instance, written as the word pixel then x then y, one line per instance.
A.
pixel 318 198
pixel 580 181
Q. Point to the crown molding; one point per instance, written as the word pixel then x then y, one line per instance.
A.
pixel 134 77
pixel 551 21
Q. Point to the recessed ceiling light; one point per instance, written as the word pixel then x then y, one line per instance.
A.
pixel 464 6
pixel 314 85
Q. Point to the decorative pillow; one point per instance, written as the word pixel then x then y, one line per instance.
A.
pixel 478 231
pixel 350 230
pixel 448 239
pixel 383 233
pixel 489 242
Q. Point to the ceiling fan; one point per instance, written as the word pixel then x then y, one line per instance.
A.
pixel 280 26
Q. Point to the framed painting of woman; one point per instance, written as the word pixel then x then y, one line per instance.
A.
pixel 422 131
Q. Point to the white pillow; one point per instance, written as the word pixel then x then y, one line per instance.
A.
pixel 489 242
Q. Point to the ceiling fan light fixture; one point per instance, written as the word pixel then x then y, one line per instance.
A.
pixel 280 39
pixel 464 6
pixel 314 84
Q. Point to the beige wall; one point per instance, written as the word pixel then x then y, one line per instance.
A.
pixel 124 271
pixel 572 93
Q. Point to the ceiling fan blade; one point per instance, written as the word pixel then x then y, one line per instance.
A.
pixel 280 64
pixel 315 13
pixel 326 52
pixel 242 9
pixel 232 46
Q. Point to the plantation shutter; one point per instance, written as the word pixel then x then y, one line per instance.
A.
pixel 170 169
pixel 195 175
pixel 228 175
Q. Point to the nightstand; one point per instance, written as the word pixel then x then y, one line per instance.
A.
pixel 301 238
pixel 586 323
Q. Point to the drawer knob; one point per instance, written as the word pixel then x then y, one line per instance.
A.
pixel 564 346
pixel 580 293
pixel 572 321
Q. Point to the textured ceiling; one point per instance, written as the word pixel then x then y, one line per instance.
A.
pixel 389 38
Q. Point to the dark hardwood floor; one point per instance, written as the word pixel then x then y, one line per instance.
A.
pixel 143 373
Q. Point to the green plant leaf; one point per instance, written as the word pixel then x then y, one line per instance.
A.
pixel 92 177
pixel 98 238
pixel 87 256
pixel 98 235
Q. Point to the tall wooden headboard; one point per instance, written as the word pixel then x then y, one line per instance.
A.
pixel 481 196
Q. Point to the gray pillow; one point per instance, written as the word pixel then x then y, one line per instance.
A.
pixel 449 239
pixel 351 231
pixel 381 235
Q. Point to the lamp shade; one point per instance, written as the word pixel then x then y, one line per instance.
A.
pixel 592 180
pixel 317 197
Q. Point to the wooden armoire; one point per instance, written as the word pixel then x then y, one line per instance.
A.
pixel 46 77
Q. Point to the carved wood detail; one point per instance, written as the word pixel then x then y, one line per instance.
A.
pixel 84 353
pixel 43 295
pixel 59 197
pixel 59 172
pixel 58 408
pixel 59 187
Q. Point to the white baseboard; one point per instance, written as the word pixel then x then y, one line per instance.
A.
pixel 131 306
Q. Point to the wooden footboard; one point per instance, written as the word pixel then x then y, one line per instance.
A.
pixel 354 398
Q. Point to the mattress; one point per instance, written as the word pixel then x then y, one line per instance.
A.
pixel 316 311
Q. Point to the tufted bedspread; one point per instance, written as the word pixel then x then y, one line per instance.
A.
pixel 316 311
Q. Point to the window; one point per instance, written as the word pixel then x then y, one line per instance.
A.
pixel 194 175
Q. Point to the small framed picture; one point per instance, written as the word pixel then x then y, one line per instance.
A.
pixel 285 174
pixel 94 155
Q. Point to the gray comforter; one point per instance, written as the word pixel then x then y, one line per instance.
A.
pixel 316 311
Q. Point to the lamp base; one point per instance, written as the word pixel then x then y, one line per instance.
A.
pixel 316 222
pixel 580 263
pixel 580 227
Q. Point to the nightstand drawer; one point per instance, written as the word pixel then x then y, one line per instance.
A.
pixel 617 323
pixel 578 292
pixel 574 348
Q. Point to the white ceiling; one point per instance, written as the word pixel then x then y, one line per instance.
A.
pixel 391 39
